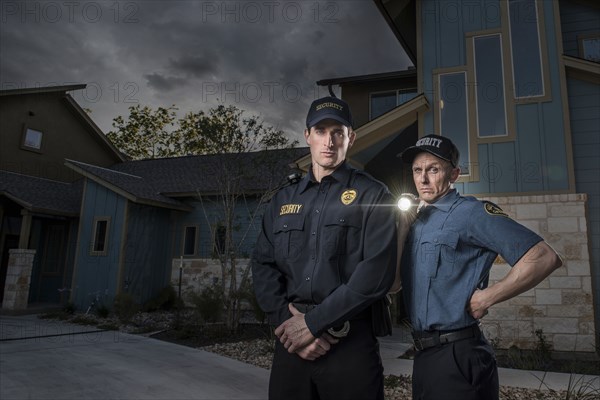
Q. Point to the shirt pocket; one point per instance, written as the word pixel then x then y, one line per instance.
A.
pixel 288 236
pixel 438 253
pixel 342 232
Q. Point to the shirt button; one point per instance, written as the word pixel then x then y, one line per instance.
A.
pixel 285 225
pixel 314 233
pixel 308 278
pixel 317 211
pixel 342 220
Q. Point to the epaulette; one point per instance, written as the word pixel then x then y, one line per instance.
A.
pixel 291 179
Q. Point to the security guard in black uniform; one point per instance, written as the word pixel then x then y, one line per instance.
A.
pixel 324 261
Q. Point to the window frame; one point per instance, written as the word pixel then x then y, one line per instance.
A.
pixel 473 172
pixel 184 240
pixel 509 104
pixel 93 242
pixel 508 53
pixel 24 144
pixel 397 93
pixel 580 39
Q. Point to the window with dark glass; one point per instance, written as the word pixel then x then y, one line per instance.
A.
pixel 100 239
pixel 189 240
pixel 220 238
pixel 454 114
pixel 525 46
pixel 491 112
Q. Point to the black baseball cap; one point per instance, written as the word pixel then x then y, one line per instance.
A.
pixel 329 107
pixel 439 146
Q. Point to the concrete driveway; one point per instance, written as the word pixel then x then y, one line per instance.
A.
pixel 53 360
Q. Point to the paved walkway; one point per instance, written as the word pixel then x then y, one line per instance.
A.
pixel 41 359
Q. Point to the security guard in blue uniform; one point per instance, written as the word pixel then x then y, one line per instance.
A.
pixel 450 247
pixel 323 263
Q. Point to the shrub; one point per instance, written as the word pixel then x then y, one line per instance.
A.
pixel 125 307
pixel 166 300
pixel 209 303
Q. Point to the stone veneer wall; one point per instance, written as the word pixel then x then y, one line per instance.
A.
pixel 18 278
pixel 198 274
pixel 561 305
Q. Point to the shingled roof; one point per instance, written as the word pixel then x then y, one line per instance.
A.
pixel 42 195
pixel 162 181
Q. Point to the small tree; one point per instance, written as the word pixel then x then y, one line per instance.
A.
pixel 243 178
pixel 225 130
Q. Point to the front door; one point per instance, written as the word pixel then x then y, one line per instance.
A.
pixel 47 280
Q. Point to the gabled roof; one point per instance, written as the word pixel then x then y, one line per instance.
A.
pixel 401 16
pixel 408 73
pixel 75 108
pixel 42 89
pixel 163 182
pixel 42 195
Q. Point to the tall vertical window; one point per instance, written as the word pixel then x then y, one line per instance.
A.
pixel 454 113
pixel 489 93
pixel 526 48
pixel 100 236
pixel 220 240
pixel 189 240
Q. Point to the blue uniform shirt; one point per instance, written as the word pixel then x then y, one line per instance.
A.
pixel 448 254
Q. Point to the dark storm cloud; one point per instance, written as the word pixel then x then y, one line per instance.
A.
pixel 264 57
pixel 195 64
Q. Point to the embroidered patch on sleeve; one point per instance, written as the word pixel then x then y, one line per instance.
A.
pixel 493 209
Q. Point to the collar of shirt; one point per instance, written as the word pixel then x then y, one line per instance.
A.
pixel 341 174
pixel 445 203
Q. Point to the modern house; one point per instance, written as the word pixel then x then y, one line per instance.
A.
pixel 39 196
pixel 80 223
pixel 515 84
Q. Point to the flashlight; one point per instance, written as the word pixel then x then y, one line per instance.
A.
pixel 406 201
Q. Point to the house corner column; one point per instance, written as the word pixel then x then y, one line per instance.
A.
pixel 18 279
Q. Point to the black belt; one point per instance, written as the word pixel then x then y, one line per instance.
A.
pixel 426 339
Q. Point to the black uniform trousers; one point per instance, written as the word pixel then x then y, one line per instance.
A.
pixel 461 370
pixel 351 370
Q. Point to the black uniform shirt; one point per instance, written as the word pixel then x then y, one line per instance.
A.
pixel 331 243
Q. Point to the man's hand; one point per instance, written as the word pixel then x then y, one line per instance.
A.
pixel 477 307
pixel 293 333
pixel 319 347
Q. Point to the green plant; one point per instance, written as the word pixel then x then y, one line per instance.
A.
pixel 125 307
pixel 583 388
pixel 247 294
pixel 209 302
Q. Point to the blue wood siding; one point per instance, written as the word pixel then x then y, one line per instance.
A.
pixel 97 274
pixel 147 263
pixel 209 213
pixel 537 160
